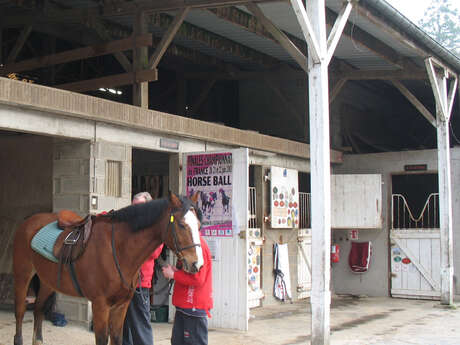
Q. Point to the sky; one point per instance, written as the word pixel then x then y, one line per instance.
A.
pixel 415 9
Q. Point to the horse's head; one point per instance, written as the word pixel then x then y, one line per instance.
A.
pixel 183 235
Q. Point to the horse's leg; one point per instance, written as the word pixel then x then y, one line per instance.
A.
pixel 22 276
pixel 116 321
pixel 101 321
pixel 43 294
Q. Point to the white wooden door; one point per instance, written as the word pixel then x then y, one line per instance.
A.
pixel 304 263
pixel 230 263
pixel 415 263
pixel 356 201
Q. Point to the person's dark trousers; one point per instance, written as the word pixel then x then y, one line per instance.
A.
pixel 137 329
pixel 189 330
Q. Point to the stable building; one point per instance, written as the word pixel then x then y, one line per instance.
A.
pixel 254 104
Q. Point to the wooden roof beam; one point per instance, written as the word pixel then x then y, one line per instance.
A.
pixel 370 42
pixel 280 36
pixel 167 38
pixel 212 40
pixel 78 54
pixel 111 81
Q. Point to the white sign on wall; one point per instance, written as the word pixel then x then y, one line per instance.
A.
pixel 284 198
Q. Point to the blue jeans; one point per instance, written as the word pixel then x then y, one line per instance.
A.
pixel 137 329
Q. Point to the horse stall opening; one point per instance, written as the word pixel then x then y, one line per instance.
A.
pixel 150 173
pixel 415 236
pixel 26 171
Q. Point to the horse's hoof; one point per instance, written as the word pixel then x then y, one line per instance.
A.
pixel 38 342
pixel 17 340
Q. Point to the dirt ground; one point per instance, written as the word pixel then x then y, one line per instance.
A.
pixel 354 321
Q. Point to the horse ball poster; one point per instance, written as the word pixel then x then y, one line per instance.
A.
pixel 284 198
pixel 211 175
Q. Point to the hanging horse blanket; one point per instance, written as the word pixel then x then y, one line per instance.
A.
pixel 282 287
pixel 360 256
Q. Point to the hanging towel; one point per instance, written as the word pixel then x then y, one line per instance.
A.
pixel 282 287
pixel 360 256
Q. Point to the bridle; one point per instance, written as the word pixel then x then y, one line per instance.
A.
pixel 178 249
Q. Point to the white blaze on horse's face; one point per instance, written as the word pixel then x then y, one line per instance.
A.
pixel 193 222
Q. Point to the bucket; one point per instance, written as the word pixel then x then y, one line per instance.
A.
pixel 159 313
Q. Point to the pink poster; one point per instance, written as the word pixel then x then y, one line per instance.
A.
pixel 211 175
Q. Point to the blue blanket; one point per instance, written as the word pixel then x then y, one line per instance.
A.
pixel 44 239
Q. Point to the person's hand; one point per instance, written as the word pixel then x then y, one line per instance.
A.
pixel 168 272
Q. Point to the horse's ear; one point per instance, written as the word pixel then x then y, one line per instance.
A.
pixel 174 200
pixel 195 196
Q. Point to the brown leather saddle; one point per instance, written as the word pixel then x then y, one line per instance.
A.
pixel 71 243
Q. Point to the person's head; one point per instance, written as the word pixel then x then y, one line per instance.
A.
pixel 141 197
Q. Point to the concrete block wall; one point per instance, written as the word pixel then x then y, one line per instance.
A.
pixel 71 175
pixel 104 151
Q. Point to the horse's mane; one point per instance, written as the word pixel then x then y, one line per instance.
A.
pixel 141 216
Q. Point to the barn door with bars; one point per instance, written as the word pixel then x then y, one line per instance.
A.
pixel 304 247
pixel 415 249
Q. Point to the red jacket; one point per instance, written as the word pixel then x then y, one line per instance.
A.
pixel 148 266
pixel 195 290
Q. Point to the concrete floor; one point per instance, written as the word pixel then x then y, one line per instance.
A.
pixel 354 321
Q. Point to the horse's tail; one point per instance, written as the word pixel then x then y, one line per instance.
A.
pixel 50 301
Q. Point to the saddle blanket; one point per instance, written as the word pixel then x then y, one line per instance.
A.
pixel 44 239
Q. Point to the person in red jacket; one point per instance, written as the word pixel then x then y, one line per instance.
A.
pixel 192 298
pixel 137 329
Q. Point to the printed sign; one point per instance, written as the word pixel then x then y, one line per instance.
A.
pixel 284 198
pixel 211 175
pixel 353 234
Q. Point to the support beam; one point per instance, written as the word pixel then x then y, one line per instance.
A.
pixel 307 29
pixel 168 37
pixel 105 35
pixel 203 95
pixel 368 41
pixel 337 29
pixel 77 54
pixel 298 115
pixel 209 39
pixel 280 36
pixel 110 81
pixel 318 96
pixel 140 60
pixel 336 89
pixel 438 78
pixel 124 8
pixel 1 45
pixel 417 74
pixel 415 102
pixel 19 43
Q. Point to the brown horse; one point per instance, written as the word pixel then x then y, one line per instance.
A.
pixel 125 238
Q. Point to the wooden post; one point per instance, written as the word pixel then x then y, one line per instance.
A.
pixel 1 45
pixel 320 51
pixel 140 60
pixel 445 211
pixel 320 174
pixel 444 98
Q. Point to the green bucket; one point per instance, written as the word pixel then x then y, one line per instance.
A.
pixel 159 313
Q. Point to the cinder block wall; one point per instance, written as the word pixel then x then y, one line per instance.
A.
pixel 103 151
pixel 71 175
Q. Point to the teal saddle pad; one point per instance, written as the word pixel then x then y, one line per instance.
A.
pixel 44 239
